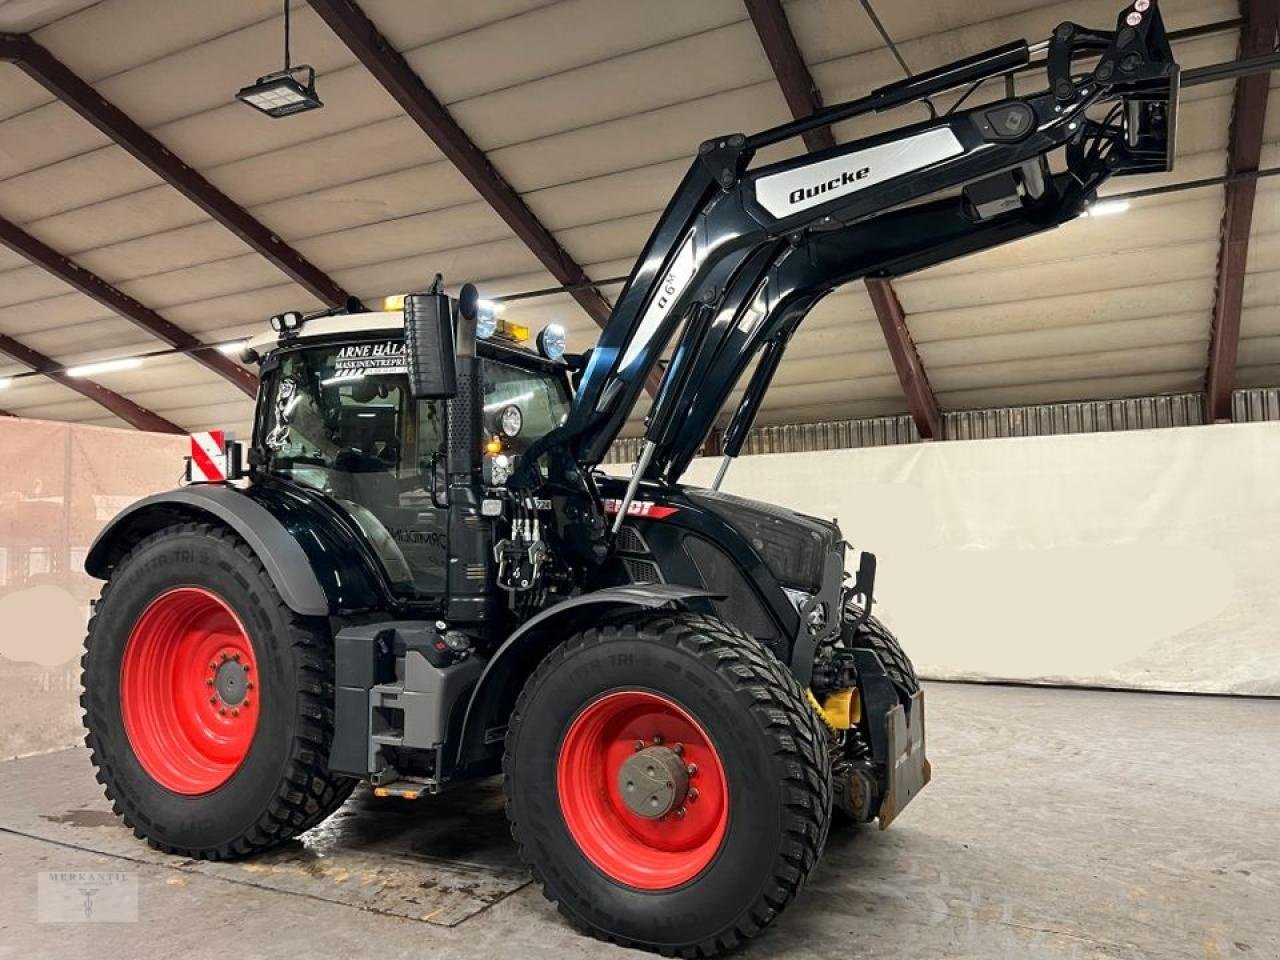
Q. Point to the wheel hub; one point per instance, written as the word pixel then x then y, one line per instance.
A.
pixel 231 681
pixel 653 781
pixel 188 694
pixel 642 789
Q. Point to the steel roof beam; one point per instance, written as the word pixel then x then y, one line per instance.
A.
pixel 921 400
pixel 393 72
pixel 803 98
pixel 42 66
pixel 793 76
pixel 124 408
pixel 354 28
pixel 1244 152
pixel 93 286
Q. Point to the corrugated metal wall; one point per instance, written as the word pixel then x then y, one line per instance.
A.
pixel 1098 416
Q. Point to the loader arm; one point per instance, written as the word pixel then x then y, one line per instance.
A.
pixel 742 254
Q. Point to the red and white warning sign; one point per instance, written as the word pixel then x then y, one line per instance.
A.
pixel 208 457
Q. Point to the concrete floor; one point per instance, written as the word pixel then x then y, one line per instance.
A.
pixel 1059 824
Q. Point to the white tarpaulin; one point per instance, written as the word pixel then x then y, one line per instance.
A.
pixel 1137 559
pixel 60 483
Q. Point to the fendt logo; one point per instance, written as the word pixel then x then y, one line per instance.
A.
pixel 801 194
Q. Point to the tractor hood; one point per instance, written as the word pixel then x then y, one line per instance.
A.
pixel 792 546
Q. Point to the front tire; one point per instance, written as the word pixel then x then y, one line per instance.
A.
pixel 874 635
pixel 700 872
pixel 207 701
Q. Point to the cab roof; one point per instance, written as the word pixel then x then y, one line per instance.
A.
pixel 390 322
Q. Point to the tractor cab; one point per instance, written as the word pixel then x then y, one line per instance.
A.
pixel 336 417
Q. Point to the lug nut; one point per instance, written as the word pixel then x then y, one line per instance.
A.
pixel 235 657
pixel 222 711
pixel 235 711
pixel 208 681
pixel 213 666
pixel 680 814
pixel 692 795
pixel 657 740
pixel 246 668
pixel 213 699
pixel 678 748
pixel 248 703
pixel 639 745
pixel 224 656
pixel 692 769
pixel 249 685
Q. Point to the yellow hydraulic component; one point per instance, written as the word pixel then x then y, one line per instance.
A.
pixel 841 710
pixel 394 302
pixel 817 708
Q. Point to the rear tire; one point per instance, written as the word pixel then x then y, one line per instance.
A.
pixel 695 884
pixel 190 772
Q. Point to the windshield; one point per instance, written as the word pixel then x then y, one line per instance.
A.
pixel 340 419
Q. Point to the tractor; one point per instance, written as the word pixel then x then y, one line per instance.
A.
pixel 415 574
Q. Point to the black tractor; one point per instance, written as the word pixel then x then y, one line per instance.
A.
pixel 419 576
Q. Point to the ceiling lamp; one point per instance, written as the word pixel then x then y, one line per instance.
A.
pixel 280 94
pixel 103 366
pixel 1106 208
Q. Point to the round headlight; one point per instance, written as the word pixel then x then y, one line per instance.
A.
pixel 486 320
pixel 552 341
pixel 512 421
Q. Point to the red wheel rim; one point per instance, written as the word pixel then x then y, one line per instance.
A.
pixel 189 691
pixel 649 854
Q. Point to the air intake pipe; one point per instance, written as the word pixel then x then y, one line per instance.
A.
pixel 471 536
pixel 462 448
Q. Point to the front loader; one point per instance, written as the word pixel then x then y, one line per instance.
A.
pixel 422 578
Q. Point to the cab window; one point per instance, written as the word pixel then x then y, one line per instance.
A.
pixel 349 434
pixel 353 432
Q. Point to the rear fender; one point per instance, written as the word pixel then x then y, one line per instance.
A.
pixel 495 693
pixel 285 561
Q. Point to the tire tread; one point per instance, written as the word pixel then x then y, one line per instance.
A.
pixel 307 792
pixel 874 635
pixel 772 695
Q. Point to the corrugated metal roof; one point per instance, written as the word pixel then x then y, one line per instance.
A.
pixel 591 109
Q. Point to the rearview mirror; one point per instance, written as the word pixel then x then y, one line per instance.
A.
pixel 428 346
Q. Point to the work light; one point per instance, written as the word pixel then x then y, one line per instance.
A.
pixel 487 318
pixel 286 322
pixel 280 95
pixel 552 341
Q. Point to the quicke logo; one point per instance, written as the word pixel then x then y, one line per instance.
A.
pixel 801 194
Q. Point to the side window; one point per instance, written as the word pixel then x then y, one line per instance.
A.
pixel 541 401
pixel 351 436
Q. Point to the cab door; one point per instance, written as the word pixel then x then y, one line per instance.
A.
pixel 357 436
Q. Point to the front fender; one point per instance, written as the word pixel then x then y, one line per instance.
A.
pixel 511 664
pixel 281 555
